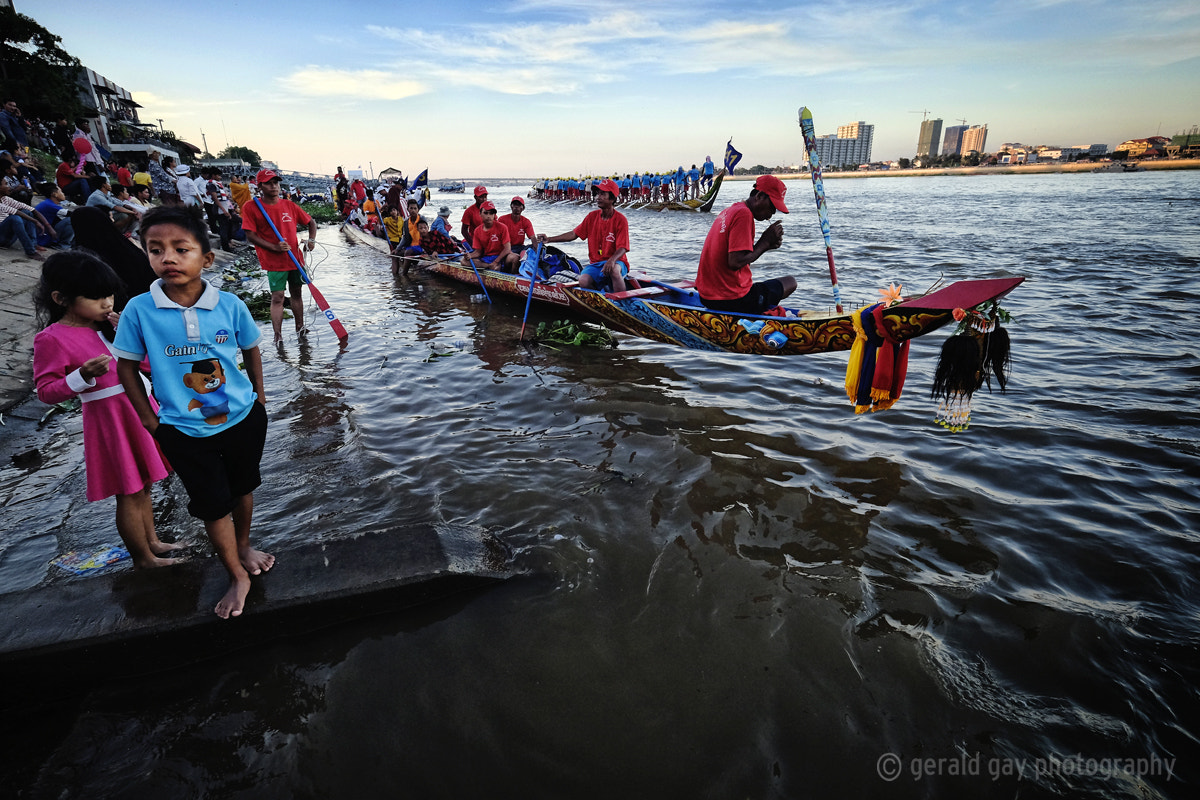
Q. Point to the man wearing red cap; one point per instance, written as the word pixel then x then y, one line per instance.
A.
pixel 724 279
pixel 472 218
pixel 490 240
pixel 518 226
pixel 607 234
pixel 272 253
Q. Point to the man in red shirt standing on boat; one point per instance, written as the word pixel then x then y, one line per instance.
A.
pixel 724 279
pixel 472 218
pixel 607 234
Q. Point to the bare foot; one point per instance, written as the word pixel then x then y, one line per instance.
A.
pixel 160 548
pixel 151 563
pixel 232 603
pixel 256 562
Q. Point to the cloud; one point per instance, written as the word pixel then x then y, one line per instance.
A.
pixel 372 84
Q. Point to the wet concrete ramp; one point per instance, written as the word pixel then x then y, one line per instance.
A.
pixel 128 621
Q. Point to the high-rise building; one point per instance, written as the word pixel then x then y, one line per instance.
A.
pixel 850 146
pixel 931 136
pixel 975 138
pixel 952 144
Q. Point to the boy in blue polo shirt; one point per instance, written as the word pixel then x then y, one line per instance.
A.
pixel 212 421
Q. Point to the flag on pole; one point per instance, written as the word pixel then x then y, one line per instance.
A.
pixel 421 181
pixel 732 157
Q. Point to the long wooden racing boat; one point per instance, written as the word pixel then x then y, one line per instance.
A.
pixel 673 313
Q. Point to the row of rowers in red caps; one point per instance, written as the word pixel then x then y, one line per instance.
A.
pixel 724 277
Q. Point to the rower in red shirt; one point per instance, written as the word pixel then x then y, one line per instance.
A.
pixel 724 279
pixel 518 227
pixel 607 233
pixel 489 241
pixel 471 217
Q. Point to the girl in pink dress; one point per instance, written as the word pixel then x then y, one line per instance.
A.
pixel 74 300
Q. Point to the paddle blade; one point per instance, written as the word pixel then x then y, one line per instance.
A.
pixel 323 304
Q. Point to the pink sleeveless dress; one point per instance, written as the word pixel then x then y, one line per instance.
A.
pixel 120 454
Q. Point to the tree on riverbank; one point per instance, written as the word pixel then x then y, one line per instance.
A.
pixel 244 153
pixel 35 70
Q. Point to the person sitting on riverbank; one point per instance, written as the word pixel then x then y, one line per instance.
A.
pixel 607 233
pixel 54 211
pixel 127 215
pixel 724 279
pixel 490 242
pixel 104 198
pixel 21 222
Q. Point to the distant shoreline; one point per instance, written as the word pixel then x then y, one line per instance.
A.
pixel 1006 169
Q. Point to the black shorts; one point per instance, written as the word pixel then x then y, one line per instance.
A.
pixel 761 296
pixel 217 470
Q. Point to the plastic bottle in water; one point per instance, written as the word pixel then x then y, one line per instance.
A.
pixel 479 298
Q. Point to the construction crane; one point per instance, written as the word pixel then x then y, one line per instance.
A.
pixel 958 119
pixel 926 114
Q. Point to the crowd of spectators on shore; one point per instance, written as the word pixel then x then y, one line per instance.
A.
pixel 36 209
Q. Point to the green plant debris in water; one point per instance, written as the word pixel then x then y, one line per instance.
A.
pixel 579 334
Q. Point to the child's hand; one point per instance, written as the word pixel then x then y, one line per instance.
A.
pixel 95 367
pixel 113 318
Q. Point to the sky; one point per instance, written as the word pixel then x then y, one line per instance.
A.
pixel 546 88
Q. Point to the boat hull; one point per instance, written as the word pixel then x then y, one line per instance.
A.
pixel 675 318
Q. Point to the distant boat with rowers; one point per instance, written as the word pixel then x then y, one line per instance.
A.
pixel 704 203
pixel 452 186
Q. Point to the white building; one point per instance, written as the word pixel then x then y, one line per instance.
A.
pixel 850 146
pixel 975 139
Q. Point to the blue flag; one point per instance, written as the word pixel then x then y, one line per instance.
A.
pixel 420 182
pixel 732 157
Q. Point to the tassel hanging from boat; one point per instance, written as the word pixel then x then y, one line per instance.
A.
pixel 979 349
pixel 891 366
pixel 878 363
pixel 857 353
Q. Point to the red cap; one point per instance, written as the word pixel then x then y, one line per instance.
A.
pixel 487 205
pixel 609 186
pixel 480 189
pixel 517 199
pixel 773 188
pixel 265 175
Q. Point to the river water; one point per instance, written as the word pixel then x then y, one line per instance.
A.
pixel 730 585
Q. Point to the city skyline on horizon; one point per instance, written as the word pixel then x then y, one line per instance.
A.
pixel 562 86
